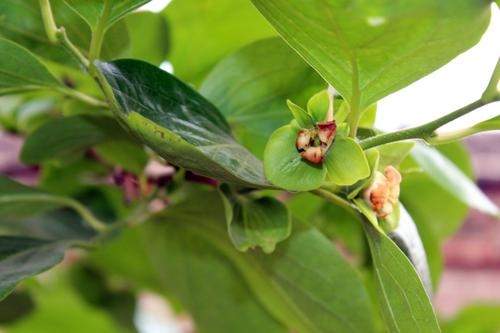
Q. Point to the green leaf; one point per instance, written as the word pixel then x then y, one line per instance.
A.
pixel 69 137
pixel 149 36
pixel 21 70
pixel 185 261
pixel 126 257
pixel 128 155
pixel 373 159
pixel 405 304
pixel 92 10
pixel 204 31
pixel 59 305
pixel 15 307
pixel 393 153
pixel 261 222
pixel 367 212
pixel 303 118
pixel 317 106
pixel 481 318
pixel 437 213
pixel 369 115
pixel 18 207
pixel 70 178
pixel 341 110
pixel 284 166
pixel 22 257
pixel 251 86
pixel 367 50
pixel 452 179
pixel 305 284
pixel 492 124
pixel 179 124
pixel 24 25
pixel 408 240
pixel 346 162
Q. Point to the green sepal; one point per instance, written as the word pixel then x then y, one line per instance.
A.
pixel 303 118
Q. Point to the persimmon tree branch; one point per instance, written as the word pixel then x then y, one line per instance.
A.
pixel 98 36
pixel 58 35
pixel 427 131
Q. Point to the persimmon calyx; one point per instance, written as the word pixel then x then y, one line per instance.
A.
pixel 313 143
pixel 383 192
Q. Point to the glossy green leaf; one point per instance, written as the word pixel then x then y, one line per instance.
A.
pixel 149 36
pixel 252 223
pixel 24 25
pixel 22 257
pixel 251 87
pixel 92 10
pixel 452 179
pixel 346 162
pixel 405 304
pixel 305 284
pixel 204 31
pixel 68 137
pixel 21 70
pixel 369 49
pixel 179 124
pixel 284 166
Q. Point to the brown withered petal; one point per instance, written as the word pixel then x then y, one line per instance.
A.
pixel 383 193
pixel 313 155
pixel 393 180
pixel 326 132
pixel 303 139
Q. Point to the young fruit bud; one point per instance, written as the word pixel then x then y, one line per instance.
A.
pixel 313 155
pixel 303 139
pixel 326 133
pixel 383 193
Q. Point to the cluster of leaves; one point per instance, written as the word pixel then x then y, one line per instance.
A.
pixel 249 255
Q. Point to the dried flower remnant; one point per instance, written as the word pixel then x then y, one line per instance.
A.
pixel 383 193
pixel 313 143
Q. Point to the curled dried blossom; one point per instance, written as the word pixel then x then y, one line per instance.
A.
pixel 326 133
pixel 313 155
pixel 383 193
pixel 313 143
pixel 303 139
